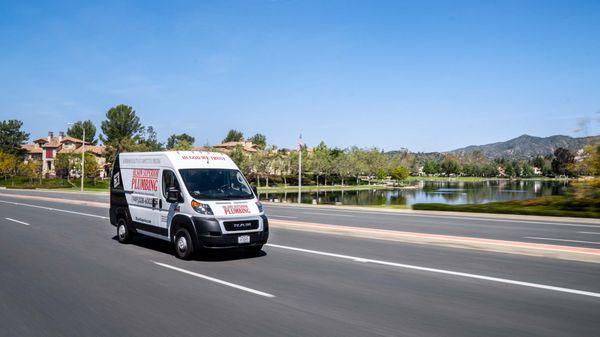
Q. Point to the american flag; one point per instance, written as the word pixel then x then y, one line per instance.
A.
pixel 300 142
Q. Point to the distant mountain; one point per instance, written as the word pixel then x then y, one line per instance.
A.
pixel 526 146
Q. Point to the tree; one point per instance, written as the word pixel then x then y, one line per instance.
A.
pixel 343 166
pixel 592 160
pixel 76 131
pixel 5 164
pixel 234 136
pixel 509 170
pixel 450 166
pixel 62 165
pixel 400 173
pixel 183 145
pixel 381 174
pixel 11 136
pixel 8 165
pixel 91 166
pixel 358 166
pixel 174 142
pixel 31 169
pixel 512 169
pixel 527 171
pixel 239 158
pixel 121 124
pixel 320 161
pixel 431 167
pixel 538 162
pixel 148 140
pixel 259 140
pixel 563 159
pixel 282 163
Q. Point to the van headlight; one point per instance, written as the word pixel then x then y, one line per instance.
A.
pixel 201 208
pixel 260 207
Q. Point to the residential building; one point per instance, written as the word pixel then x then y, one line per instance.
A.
pixel 47 148
pixel 228 147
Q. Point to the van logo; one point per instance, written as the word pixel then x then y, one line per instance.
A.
pixel 236 209
pixel 117 179
pixel 242 225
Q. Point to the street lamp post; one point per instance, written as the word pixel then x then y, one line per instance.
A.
pixel 82 155
pixel 300 168
pixel 82 158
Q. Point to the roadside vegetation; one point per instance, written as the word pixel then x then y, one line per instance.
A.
pixel 269 168
pixel 581 200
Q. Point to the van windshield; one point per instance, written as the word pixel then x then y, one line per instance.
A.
pixel 216 184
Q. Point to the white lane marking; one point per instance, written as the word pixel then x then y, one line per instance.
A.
pixel 17 221
pixel 442 271
pixel 54 209
pixel 596 233
pixel 399 214
pixel 317 213
pixel 229 284
pixel 562 240
pixel 282 216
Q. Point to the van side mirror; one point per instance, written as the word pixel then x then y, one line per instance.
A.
pixel 173 195
pixel 255 190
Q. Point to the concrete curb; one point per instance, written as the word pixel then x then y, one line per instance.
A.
pixel 581 254
pixel 444 214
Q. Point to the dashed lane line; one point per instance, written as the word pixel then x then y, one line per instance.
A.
pixel 216 280
pixel 17 221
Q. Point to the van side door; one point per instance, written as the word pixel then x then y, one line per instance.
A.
pixel 143 192
pixel 168 210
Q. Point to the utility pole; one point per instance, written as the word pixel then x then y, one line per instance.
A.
pixel 82 158
pixel 82 155
pixel 300 169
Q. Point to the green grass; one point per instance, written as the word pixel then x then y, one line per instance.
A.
pixel 546 206
pixel 55 184
pixel 384 206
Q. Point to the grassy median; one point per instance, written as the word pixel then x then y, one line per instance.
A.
pixel 546 206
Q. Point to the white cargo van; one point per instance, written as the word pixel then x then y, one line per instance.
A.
pixel 196 200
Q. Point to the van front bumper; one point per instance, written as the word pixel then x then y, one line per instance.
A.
pixel 209 235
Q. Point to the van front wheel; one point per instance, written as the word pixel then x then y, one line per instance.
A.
pixel 184 247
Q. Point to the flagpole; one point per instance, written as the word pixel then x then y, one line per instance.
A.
pixel 300 169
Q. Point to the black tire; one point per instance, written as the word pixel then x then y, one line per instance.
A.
pixel 253 250
pixel 124 234
pixel 184 246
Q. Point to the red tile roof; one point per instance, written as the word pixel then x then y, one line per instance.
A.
pixel 31 148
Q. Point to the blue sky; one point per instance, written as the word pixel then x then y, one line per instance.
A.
pixel 429 76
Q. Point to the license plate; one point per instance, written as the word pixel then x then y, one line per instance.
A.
pixel 244 239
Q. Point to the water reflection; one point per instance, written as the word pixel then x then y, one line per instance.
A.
pixel 448 192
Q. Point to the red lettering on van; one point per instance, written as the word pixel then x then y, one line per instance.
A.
pixel 145 179
pixel 236 209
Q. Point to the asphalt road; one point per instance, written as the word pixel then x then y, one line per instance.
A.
pixel 578 234
pixel 62 273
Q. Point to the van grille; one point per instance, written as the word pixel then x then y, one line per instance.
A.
pixel 240 225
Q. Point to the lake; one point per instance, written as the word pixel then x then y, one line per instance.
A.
pixel 447 192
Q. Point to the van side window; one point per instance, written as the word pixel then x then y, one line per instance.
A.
pixel 169 180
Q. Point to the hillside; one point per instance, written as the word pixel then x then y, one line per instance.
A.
pixel 527 146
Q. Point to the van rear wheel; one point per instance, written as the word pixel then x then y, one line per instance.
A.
pixel 184 247
pixel 123 233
